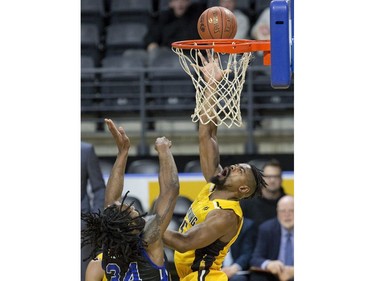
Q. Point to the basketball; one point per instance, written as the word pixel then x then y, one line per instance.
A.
pixel 217 23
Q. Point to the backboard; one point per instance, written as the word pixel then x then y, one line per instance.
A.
pixel 282 42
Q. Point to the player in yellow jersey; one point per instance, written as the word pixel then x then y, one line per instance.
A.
pixel 214 219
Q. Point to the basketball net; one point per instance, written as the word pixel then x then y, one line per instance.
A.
pixel 220 103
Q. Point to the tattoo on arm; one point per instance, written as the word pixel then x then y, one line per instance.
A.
pixel 152 230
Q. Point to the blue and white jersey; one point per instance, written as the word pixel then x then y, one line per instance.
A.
pixel 141 270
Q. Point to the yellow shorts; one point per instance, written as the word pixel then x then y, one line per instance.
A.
pixel 207 275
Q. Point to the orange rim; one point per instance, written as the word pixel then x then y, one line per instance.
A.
pixel 232 46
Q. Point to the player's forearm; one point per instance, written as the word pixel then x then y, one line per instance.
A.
pixel 208 150
pixel 168 174
pixel 208 145
pixel 195 238
pixel 208 109
pixel 169 190
pixel 176 241
pixel 116 180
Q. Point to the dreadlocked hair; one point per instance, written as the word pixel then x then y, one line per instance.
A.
pixel 113 233
pixel 259 181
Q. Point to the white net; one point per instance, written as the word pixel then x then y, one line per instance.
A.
pixel 221 103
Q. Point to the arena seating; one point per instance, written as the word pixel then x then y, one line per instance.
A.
pixel 123 36
pixel 143 166
pixel 93 11
pixel 90 41
pixel 129 11
pixel 121 87
pixel 193 166
pixel 120 79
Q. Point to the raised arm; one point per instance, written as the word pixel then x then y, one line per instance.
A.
pixel 166 201
pixel 208 144
pixel 209 150
pixel 116 180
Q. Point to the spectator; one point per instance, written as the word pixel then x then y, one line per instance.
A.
pixel 274 250
pixel 177 23
pixel 243 22
pixel 262 208
pixel 261 29
pixel 237 261
pixel 90 172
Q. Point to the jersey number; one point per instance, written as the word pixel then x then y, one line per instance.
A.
pixel 131 275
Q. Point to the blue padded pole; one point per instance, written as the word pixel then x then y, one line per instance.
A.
pixel 292 32
pixel 280 45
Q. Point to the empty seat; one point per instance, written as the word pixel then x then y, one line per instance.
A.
pixel 87 66
pixel 173 224
pixel 130 64
pixel 143 166
pixel 92 7
pixel 90 41
pixel 88 87
pixel 168 79
pixel 123 36
pixel 121 78
pixel 87 63
pixel 92 11
pixel 193 166
pixel 130 10
pixel 182 206
pixel 167 62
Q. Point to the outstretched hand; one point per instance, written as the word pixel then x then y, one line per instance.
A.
pixel 122 140
pixel 211 70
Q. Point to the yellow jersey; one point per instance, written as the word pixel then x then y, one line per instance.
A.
pixel 205 263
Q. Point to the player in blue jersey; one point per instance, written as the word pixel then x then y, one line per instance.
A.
pixel 132 242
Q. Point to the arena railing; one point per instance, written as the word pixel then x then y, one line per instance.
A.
pixel 146 95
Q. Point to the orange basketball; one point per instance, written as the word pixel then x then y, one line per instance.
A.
pixel 217 23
